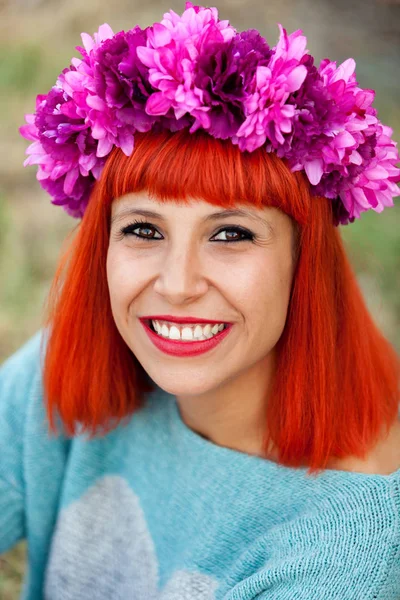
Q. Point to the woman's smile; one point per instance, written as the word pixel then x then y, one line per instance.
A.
pixel 185 331
pixel 185 340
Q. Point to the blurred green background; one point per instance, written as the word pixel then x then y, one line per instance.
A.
pixel 37 40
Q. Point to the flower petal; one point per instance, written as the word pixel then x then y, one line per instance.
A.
pixel 29 132
pixel 161 35
pixel 104 147
pixel 344 140
pixel 126 143
pixel 146 56
pixel 314 170
pixel 295 78
pixel 158 104
pixel 70 181
pixel 377 172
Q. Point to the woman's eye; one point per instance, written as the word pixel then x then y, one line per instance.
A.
pixel 230 234
pixel 137 225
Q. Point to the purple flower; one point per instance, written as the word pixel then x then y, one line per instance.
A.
pixel 172 50
pixel 268 115
pixel 375 185
pixel 81 86
pixel 224 73
pixel 335 140
pixel 121 80
pixel 63 148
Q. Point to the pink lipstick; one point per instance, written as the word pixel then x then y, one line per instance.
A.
pixel 179 348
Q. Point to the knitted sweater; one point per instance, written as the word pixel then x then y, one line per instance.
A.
pixel 153 511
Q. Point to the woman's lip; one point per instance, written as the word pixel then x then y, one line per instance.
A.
pixel 179 348
pixel 180 320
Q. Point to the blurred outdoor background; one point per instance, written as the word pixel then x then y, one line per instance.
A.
pixel 37 40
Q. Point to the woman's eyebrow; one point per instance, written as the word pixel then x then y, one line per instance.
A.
pixel 222 214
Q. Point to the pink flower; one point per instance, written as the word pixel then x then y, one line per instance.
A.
pixel 376 186
pixel 359 149
pixel 267 114
pixel 81 86
pixel 172 50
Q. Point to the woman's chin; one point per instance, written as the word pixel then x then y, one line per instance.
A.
pixel 179 383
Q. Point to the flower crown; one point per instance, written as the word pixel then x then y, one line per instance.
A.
pixel 196 71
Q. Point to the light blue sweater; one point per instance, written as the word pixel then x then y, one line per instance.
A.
pixel 153 511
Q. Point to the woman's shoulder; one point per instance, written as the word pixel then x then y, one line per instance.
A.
pixel 341 540
pixel 382 459
pixel 19 371
pixel 26 357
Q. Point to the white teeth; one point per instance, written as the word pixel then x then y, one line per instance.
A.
pixel 174 333
pixel 198 332
pixel 186 332
pixel 207 331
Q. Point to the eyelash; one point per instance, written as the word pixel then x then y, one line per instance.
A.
pixel 128 230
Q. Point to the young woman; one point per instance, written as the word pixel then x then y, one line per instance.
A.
pixel 209 410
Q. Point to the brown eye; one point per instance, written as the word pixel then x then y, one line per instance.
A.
pixel 232 233
pixel 137 226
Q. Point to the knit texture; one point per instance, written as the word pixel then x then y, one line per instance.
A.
pixel 153 511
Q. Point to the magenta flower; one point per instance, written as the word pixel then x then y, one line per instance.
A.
pixel 121 80
pixel 355 159
pixel 375 186
pixel 64 150
pixel 64 146
pixel 224 73
pixel 81 86
pixel 173 48
pixel 268 115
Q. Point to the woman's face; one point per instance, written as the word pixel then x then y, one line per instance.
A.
pixel 186 268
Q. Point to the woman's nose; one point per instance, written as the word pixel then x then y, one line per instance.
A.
pixel 181 277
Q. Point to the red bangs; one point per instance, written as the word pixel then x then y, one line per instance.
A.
pixel 171 166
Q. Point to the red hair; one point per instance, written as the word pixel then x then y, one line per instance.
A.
pixel 337 377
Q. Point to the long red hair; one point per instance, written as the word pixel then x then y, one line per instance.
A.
pixel 337 377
